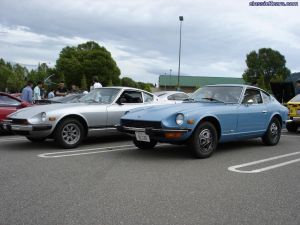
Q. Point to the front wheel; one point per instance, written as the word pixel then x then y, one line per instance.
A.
pixel 204 140
pixel 69 133
pixel 273 133
pixel 144 144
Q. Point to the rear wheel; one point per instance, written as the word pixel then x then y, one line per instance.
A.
pixel 204 140
pixel 36 139
pixel 292 127
pixel 69 133
pixel 144 144
pixel 273 133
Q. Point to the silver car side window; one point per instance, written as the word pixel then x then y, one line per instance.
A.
pixel 131 97
pixel 147 97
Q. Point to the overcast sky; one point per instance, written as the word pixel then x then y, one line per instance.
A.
pixel 143 35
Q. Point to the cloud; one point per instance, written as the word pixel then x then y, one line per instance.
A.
pixel 143 36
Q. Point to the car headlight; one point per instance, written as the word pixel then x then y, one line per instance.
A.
pixel 43 116
pixel 179 119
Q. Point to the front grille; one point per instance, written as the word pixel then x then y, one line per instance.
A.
pixel 19 121
pixel 141 124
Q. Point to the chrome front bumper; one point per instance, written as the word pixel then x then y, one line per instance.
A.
pixel 150 131
pixel 9 126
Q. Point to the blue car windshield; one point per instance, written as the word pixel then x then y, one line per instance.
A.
pixel 101 95
pixel 224 94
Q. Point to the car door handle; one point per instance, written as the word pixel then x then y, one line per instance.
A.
pixel 265 111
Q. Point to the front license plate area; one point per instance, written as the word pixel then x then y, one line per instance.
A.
pixel 142 136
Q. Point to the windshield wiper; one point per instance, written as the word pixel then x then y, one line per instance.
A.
pixel 213 99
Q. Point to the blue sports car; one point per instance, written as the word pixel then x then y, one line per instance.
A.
pixel 212 115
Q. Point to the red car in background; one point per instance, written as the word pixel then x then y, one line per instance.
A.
pixel 10 104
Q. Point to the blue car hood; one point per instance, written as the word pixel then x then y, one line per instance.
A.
pixel 158 113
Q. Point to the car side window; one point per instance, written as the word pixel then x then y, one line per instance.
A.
pixel 266 97
pixel 171 97
pixel 147 97
pixel 178 97
pixel 252 96
pixel 181 96
pixel 131 97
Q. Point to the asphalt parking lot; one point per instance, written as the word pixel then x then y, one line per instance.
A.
pixel 111 182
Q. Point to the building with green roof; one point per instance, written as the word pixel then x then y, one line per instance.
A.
pixel 191 83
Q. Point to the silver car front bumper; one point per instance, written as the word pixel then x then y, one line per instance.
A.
pixel 9 126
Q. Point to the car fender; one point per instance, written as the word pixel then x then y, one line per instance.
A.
pixel 73 115
pixel 211 118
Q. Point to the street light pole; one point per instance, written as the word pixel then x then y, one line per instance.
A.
pixel 180 19
pixel 170 78
pixel 165 81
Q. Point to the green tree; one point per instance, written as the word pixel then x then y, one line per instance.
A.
pixel 128 82
pixel 16 81
pixel 83 84
pixel 5 73
pixel 89 59
pixel 265 66
pixel 39 74
pixel 145 86
pixel 12 77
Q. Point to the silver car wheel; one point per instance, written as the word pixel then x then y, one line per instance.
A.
pixel 274 130
pixel 205 140
pixel 71 133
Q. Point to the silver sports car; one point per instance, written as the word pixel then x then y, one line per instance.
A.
pixel 69 124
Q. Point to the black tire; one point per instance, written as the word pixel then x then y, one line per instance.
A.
pixel 292 127
pixel 36 139
pixel 69 133
pixel 273 133
pixel 144 145
pixel 204 140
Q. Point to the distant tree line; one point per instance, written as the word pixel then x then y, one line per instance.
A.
pixel 75 65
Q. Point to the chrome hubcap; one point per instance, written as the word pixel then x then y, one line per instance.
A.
pixel 205 139
pixel 71 133
pixel 274 130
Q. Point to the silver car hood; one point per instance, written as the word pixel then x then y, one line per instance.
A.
pixel 52 108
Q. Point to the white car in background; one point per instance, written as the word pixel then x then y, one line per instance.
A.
pixel 171 96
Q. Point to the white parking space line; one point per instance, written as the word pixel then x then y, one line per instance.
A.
pixel 237 168
pixel 290 135
pixel 86 151
pixel 12 139
pixel 89 151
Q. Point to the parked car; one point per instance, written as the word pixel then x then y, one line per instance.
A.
pixel 171 96
pixel 293 123
pixel 71 98
pixel 10 104
pixel 69 124
pixel 212 115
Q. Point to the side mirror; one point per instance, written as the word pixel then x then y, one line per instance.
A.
pixel 121 100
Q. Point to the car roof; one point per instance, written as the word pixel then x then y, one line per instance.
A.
pixel 234 85
pixel 168 92
pixel 126 88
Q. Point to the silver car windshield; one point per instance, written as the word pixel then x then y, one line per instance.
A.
pixel 225 94
pixel 101 95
